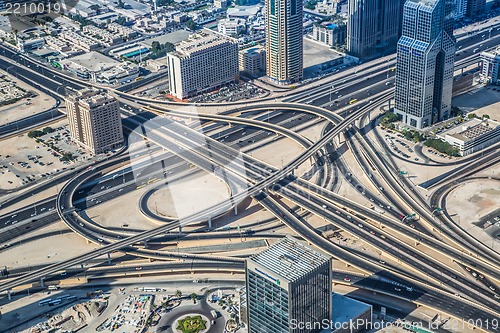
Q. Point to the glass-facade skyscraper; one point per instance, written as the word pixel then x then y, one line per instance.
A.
pixel 425 63
pixel 373 26
pixel 284 41
pixel 287 284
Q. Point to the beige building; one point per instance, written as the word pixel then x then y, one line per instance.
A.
pixel 94 120
pixel 252 60
pixel 473 135
pixel 204 61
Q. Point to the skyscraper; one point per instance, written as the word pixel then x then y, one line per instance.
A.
pixel 475 7
pixel 425 61
pixel 94 120
pixel 373 25
pixel 460 9
pixel 288 283
pixel 284 44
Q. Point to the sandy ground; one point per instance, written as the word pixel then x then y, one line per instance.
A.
pixel 18 148
pixel 19 110
pixel 280 153
pixel 114 214
pixel 470 201
pixel 189 195
pixel 482 101
pixel 46 250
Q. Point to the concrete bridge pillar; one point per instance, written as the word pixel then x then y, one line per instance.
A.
pixel 109 259
pixel 210 222
pixel 235 209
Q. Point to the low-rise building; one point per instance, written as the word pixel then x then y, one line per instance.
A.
pixel 26 45
pixel 222 4
pixel 80 41
pixel 94 120
pixel 231 26
pixel 350 315
pixel 104 36
pixel 204 61
pixel 473 135
pixel 122 30
pixel 99 68
pixel 252 60
pixel 57 44
pixel 330 33
pixel 491 66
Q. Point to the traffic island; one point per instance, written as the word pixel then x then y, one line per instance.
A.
pixel 192 324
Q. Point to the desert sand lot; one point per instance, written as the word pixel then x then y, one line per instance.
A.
pixel 472 200
pixel 24 108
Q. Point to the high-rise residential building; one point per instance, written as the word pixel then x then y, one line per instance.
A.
pixel 460 9
pixel 204 61
pixel 373 26
pixel 94 120
pixel 425 62
pixel 285 284
pixel 491 65
pixel 475 7
pixel 284 41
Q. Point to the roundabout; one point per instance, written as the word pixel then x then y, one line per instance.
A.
pixel 177 320
pixel 192 323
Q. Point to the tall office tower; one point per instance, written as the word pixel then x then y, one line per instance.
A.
pixel 202 62
pixel 288 284
pixel 94 120
pixel 425 60
pixel 284 41
pixel 373 26
pixel 475 7
pixel 460 9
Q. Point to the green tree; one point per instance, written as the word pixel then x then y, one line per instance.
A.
pixel 442 146
pixel 191 25
pixel 47 130
pixel 193 296
pixel 67 157
pixel 178 293
pixel 35 134
pixel 471 115
pixel 486 116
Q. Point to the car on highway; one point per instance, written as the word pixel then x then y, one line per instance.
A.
pixel 346 279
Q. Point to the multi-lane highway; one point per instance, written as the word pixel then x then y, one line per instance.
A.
pixel 268 184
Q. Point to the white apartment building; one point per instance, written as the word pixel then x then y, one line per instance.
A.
pixel 231 26
pixel 491 65
pixel 204 61
pixel 94 120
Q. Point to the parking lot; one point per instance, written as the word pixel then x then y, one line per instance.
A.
pixel 230 93
pixel 130 315
pixel 25 160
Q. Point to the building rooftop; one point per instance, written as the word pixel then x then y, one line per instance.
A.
pixel 198 42
pixel 345 308
pixel 93 61
pixel 472 129
pixel 290 259
pixel 173 37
